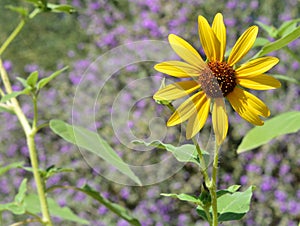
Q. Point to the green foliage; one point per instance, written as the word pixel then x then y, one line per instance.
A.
pixel 8 167
pixel 231 189
pixel 184 153
pixel 46 80
pixel 285 123
pixel 32 205
pixel 288 79
pixel 60 8
pixel 117 209
pixel 17 206
pixel 32 79
pixel 184 197
pixel 231 205
pixel 7 97
pixel 288 32
pixel 21 10
pixel 93 143
pixel 50 171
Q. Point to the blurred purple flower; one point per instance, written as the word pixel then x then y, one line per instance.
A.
pixel 122 222
pixel 253 168
pixel 284 169
pixel 294 207
pixel 244 180
pixel 268 183
pixel 232 4
pixel 280 195
pixel 124 193
pixel 102 210
pixel 31 68
pixel 7 65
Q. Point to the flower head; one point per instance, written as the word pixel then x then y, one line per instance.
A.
pixel 216 79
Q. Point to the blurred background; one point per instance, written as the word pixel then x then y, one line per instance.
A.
pixel 52 41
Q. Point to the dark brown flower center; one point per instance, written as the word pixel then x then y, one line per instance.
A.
pixel 217 80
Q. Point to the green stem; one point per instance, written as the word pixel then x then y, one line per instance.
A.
pixel 2 93
pixel 16 31
pixel 12 36
pixel 213 187
pixel 35 113
pixel 202 161
pixel 30 135
pixel 7 107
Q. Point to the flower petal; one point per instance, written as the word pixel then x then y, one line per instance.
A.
pixel 209 40
pixel 248 106
pixel 256 67
pixel 220 120
pixel 219 29
pixel 243 45
pixel 198 119
pixel 177 69
pixel 186 51
pixel 260 82
pixel 186 109
pixel 176 90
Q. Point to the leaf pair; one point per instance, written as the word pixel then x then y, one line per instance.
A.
pixel 232 205
pixel 32 85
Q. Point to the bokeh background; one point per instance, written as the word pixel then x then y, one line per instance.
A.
pixel 52 41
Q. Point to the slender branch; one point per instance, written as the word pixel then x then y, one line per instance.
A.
pixel 12 36
pixel 30 220
pixel 41 126
pixel 35 113
pixel 202 161
pixel 30 135
pixel 2 92
pixel 17 30
pixel 5 106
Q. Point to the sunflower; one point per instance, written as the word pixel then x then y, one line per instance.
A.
pixel 216 79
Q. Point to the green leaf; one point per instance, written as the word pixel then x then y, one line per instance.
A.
pixel 269 29
pixel 280 43
pixel 61 8
pixel 287 27
pixel 286 78
pixel 234 206
pixel 52 170
pixel 285 123
pixel 17 206
pixel 117 209
pixel 22 192
pixel 231 190
pixel 13 207
pixel 183 197
pixel 32 79
pixel 32 205
pixel 36 2
pixel 231 206
pixel 92 142
pixel 8 167
pixel 184 153
pixel 7 97
pixel 260 42
pixel 45 81
pixel 23 81
pixel 22 11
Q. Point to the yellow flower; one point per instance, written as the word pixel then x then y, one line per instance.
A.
pixel 216 79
